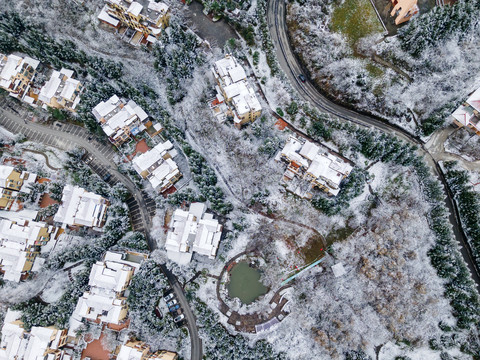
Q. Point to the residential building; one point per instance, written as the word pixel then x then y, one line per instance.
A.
pixel 39 343
pixel 191 231
pixel 138 350
pixel 318 167
pixel 81 208
pixel 105 301
pixel 234 89
pixel 403 10
pixel 11 183
pixel 144 18
pixel 20 242
pixel 468 114
pixel 157 166
pixel 17 74
pixel 61 91
pixel 120 119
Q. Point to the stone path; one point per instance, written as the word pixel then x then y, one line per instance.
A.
pixel 247 322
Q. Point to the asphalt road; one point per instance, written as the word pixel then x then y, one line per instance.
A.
pixel 276 17
pixel 67 137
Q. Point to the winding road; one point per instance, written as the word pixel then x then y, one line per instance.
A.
pixel 276 17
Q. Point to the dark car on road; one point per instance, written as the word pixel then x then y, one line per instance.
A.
pixel 302 78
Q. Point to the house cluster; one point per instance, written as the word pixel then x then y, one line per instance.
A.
pixel 235 98
pixel 192 231
pixel 21 241
pixel 138 22
pixel 81 208
pixel 23 238
pixel 27 80
pixel 38 343
pixel 310 166
pixel 104 303
pixel 403 10
pixel 121 120
pixel 468 114
pixel 158 167
pixel 138 350
pixel 12 183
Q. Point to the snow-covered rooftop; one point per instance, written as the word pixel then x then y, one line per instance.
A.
pixel 157 166
pixel 118 117
pixel 17 238
pixel 233 83
pixel 81 208
pixel 193 231
pixel 108 280
pixel 318 165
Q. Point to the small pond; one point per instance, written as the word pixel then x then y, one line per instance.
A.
pixel 245 283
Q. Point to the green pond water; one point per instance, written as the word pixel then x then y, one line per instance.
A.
pixel 245 283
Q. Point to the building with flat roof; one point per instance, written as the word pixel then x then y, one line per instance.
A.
pixel 403 10
pixel 40 343
pixel 61 91
pixel 319 167
pixel 158 167
pixel 17 74
pixel 191 231
pixel 120 119
pixel 13 182
pixel 105 301
pixel 147 19
pixel 138 350
pixel 20 243
pixel 81 208
pixel 468 114
pixel 234 89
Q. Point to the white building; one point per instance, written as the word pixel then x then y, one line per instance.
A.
pixel 233 88
pixel 81 208
pixel 16 75
pixel 468 114
pixel 192 231
pixel 11 183
pixel 41 343
pixel 319 167
pixel 137 350
pixel 105 301
pixel 61 91
pixel 158 167
pixel 120 119
pixel 20 240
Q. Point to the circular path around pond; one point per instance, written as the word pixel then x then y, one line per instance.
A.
pixel 251 322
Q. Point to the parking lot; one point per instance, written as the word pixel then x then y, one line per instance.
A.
pixel 57 134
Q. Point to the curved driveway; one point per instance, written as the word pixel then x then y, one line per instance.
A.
pixel 276 17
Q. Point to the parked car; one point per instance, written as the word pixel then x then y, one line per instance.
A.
pixel 179 318
pixel 169 297
pixel 158 312
pixel 107 177
pixel 174 308
pixel 171 303
pixel 302 78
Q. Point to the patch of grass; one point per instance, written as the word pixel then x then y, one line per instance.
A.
pixel 355 19
pixel 374 71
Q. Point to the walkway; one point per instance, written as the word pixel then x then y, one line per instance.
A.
pixel 248 322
